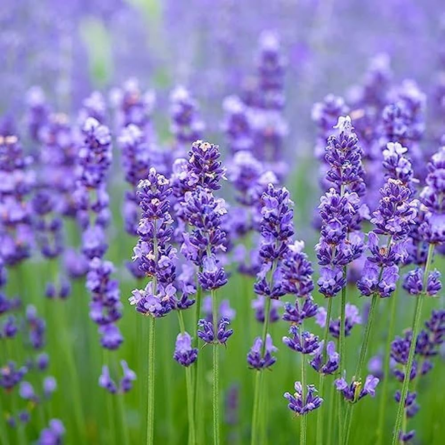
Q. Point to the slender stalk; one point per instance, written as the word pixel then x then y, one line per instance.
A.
pixel 415 330
pixel 62 319
pixel 259 379
pixel 197 367
pixel 331 415
pixel 342 352
pixel 384 394
pixel 256 405
pixel 216 423
pixel 322 376
pixel 303 430
pixel 361 361
pixel 151 381
pixel 121 406
pixel 189 388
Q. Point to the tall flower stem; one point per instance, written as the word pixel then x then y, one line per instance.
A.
pixel 151 381
pixel 361 361
pixel 189 387
pixel 322 376
pixel 415 333
pixel 387 357
pixel 342 350
pixel 303 430
pixel 216 424
pixel 259 377
pixel 121 406
pixel 197 366
pixel 63 325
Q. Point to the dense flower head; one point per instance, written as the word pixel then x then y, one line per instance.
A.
pixel 153 251
pixel 133 105
pixel 276 224
pixel 374 281
pixel 38 111
pixel 300 311
pixel 93 106
pixel 325 114
pixel 206 331
pixel 203 212
pixel 11 375
pixel 259 356
pixel 237 125
pixel 355 391
pixel 396 164
pixel 16 182
pixel 135 154
pixel 271 65
pixel 343 155
pixel 125 383
pixel 184 354
pixel 436 326
pixel 186 124
pixel 328 363
pixel 433 227
pixel 53 435
pixel 301 341
pixel 95 155
pixel 204 167
pixel 156 302
pixel 301 403
pixel 396 212
pixel 36 328
pixel 297 271
pixel 413 282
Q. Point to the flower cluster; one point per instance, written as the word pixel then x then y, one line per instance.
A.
pixel 355 391
pixel 155 254
pixel 431 197
pixel 302 403
pixel 394 219
pixel 15 216
pixel 125 383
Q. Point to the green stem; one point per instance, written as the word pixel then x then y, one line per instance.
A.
pixel 331 431
pixel 151 381
pixel 197 368
pixel 342 352
pixel 322 376
pixel 216 424
pixel 189 384
pixel 384 395
pixel 303 430
pixel 189 388
pixel 259 379
pixel 415 331
pixel 362 358
pixel 121 405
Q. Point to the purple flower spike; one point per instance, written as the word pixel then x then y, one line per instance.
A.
pixel 304 342
pixel 206 331
pixel 256 359
pixel 332 360
pixel 106 382
pixel 356 390
pixel 53 435
pixel 127 379
pixel 413 282
pixel 300 406
pixel 184 354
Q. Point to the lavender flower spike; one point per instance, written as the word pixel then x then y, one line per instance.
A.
pixel 256 359
pixel 300 406
pixel 184 354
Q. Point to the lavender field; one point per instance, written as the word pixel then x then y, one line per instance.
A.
pixel 222 222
